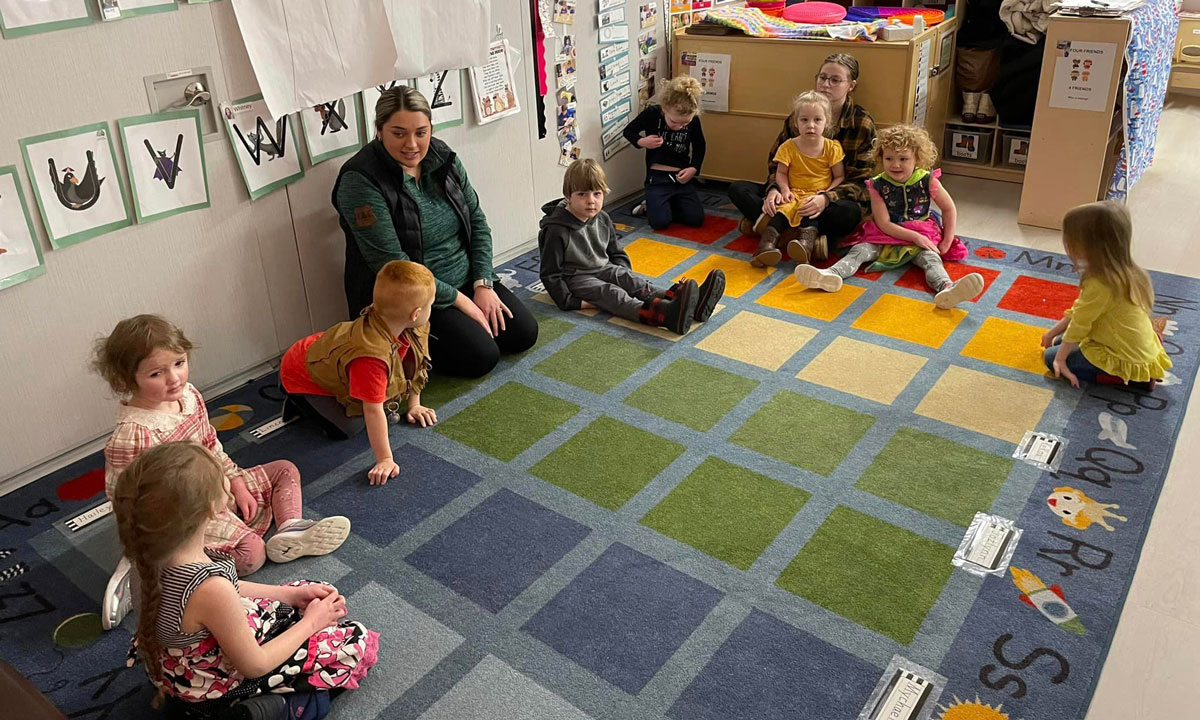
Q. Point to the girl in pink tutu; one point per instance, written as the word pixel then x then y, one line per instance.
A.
pixel 902 230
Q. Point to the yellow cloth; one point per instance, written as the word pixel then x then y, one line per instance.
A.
pixel 807 176
pixel 1115 335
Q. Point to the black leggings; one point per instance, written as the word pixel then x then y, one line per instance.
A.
pixel 458 346
pixel 839 219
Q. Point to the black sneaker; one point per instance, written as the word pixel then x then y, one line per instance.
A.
pixel 711 291
pixel 268 706
pixel 675 314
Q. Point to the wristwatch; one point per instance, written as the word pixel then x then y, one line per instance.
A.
pixel 484 282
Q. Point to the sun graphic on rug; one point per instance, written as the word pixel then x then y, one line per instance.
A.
pixel 978 710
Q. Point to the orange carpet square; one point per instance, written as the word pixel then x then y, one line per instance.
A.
pixel 914 277
pixel 714 228
pixel 739 275
pixel 916 321
pixel 653 258
pixel 1008 343
pixel 793 297
pixel 987 404
pixel 1044 298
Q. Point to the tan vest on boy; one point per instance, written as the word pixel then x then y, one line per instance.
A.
pixel 329 358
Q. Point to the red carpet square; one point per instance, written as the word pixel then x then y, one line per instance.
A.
pixel 914 278
pixel 744 244
pixel 1044 298
pixel 714 228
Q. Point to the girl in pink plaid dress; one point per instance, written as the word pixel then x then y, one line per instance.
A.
pixel 146 359
pixel 205 635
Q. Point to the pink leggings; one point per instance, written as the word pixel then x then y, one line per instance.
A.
pixel 250 552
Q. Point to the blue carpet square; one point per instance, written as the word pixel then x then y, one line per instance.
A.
pixel 491 554
pixel 769 670
pixel 624 616
pixel 383 513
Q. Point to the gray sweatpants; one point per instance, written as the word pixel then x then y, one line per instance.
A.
pixel 612 289
pixel 863 253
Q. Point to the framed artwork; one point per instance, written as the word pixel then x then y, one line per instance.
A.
pixel 265 147
pixel 332 128
pixel 19 18
pixel 443 90
pixel 164 154
pixel 20 252
pixel 76 183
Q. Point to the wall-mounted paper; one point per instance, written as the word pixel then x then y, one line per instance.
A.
pixel 307 51
pixel 164 154
pixel 492 86
pixel 443 90
pixel 648 14
pixel 430 35
pixel 76 183
pixel 20 252
pixel 331 129
pixel 133 8
pixel 564 12
pixel 370 97
pixel 712 70
pixel 612 17
pixel 1082 75
pixel 26 17
pixel 614 34
pixel 265 148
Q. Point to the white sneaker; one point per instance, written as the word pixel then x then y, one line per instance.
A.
pixel 118 596
pixel 817 279
pixel 298 538
pixel 639 209
pixel 967 287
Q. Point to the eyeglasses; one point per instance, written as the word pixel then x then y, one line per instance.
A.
pixel 830 80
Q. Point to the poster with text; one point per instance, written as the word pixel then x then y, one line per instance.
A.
pixel 370 97
pixel 76 183
pixel 712 70
pixel 493 87
pixel 1082 75
pixel 443 90
pixel 331 129
pixel 23 17
pixel 20 253
pixel 265 147
pixel 164 154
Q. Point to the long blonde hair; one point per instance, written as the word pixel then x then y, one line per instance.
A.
pixel 161 501
pixel 1101 235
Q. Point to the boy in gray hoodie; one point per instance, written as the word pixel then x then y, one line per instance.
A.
pixel 583 266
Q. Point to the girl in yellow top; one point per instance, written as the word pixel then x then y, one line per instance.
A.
pixel 809 163
pixel 1106 336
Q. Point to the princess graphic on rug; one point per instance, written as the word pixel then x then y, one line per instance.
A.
pixel 902 228
pixel 1107 337
pixel 203 634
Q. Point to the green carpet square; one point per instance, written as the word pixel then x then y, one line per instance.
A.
pixel 936 476
pixel 443 388
pixel 878 575
pixel 727 511
pixel 691 394
pixel 597 362
pixel 608 462
pixel 805 432
pixel 507 422
pixel 549 330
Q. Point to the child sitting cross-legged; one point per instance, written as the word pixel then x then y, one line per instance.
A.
pixel 368 365
pixel 902 228
pixel 583 266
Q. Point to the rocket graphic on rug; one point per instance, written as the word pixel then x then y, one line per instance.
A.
pixel 1050 602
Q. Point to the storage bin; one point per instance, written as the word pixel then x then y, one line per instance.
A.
pixel 969 144
pixel 1014 149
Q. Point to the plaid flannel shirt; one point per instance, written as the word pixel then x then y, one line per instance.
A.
pixel 856 133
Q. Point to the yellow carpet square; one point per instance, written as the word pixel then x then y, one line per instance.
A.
pixel 661 332
pixel 985 403
pixel 653 258
pixel 740 276
pixel 916 321
pixel 863 369
pixel 793 297
pixel 544 297
pixel 1004 342
pixel 757 340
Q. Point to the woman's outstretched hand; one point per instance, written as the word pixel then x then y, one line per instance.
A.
pixel 471 310
pixel 492 307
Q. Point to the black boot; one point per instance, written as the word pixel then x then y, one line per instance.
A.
pixel 710 294
pixel 675 314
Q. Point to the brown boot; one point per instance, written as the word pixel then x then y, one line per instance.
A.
pixel 767 254
pixel 801 250
pixel 746 227
pixel 821 248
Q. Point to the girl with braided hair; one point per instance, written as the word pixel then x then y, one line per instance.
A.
pixel 203 634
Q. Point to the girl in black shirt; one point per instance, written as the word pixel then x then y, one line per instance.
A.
pixel 670 133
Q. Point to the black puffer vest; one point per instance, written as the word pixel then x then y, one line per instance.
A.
pixel 374 164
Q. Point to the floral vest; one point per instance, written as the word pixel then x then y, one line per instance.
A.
pixel 905 201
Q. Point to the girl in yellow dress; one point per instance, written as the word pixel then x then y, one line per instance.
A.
pixel 809 163
pixel 1106 337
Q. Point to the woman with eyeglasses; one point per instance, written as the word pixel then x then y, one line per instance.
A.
pixel 837 211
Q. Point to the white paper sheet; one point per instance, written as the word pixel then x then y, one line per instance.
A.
pixel 23 13
pixel 307 51
pixel 331 129
pixel 493 86
pixel 1082 74
pixel 18 251
pixel 712 70
pixel 443 90
pixel 370 99
pixel 439 35
pixel 176 147
pixel 265 148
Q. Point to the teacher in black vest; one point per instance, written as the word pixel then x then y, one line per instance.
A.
pixel 406 196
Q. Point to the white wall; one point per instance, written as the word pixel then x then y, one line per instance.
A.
pixel 243 279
